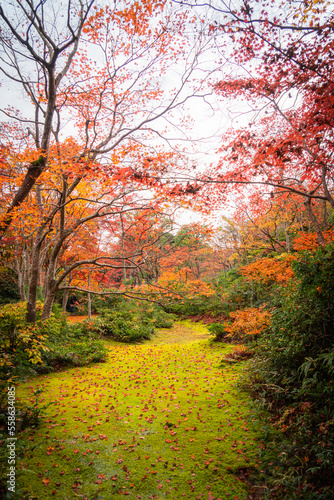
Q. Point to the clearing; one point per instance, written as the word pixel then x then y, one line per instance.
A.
pixel 157 420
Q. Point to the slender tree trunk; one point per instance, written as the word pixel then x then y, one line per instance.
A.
pixel 65 300
pixel 66 292
pixel 89 300
pixel 20 271
pixel 49 300
pixel 198 269
pixel 315 222
pixel 34 276
pixel 35 264
pixel 123 251
pixel 50 282
pixel 325 214
pixel 24 271
pixel 325 186
pixel 287 238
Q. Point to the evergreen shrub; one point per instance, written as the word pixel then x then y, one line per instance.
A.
pixel 293 374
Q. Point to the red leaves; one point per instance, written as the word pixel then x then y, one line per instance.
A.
pixel 100 478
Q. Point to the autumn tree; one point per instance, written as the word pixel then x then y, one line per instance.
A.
pixel 148 236
pixel 38 48
pixel 282 92
pixel 96 68
pixel 191 252
pixel 79 216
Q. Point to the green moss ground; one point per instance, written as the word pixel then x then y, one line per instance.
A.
pixel 159 420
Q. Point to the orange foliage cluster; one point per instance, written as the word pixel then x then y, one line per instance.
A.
pixel 178 283
pixel 249 321
pixel 277 269
pixel 309 241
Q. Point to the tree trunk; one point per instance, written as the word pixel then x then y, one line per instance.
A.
pixel 50 286
pixel 65 300
pixel 89 306
pixel 20 271
pixel 49 300
pixel 50 283
pixel 89 300
pixel 287 239
pixel 34 276
pixel 123 251
pixel 66 291
pixel 325 186
pixel 315 222
pixel 325 214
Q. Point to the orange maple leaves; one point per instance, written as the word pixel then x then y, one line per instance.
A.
pixel 274 269
pixel 308 241
pixel 248 322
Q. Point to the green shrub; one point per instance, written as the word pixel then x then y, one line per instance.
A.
pixel 129 321
pixel 115 326
pixel 47 345
pixel 22 343
pixel 54 328
pixel 8 286
pixel 294 374
pixel 73 353
pixel 163 320
pixel 218 331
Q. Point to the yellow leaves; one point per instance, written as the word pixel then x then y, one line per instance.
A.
pixel 19 335
pixel 5 361
pixel 308 12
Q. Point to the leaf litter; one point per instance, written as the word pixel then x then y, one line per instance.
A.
pixel 162 420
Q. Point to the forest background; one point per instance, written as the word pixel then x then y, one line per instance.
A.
pixel 121 117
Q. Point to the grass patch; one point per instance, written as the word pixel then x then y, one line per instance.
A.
pixel 159 420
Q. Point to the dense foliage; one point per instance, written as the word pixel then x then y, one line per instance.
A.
pixel 293 374
pixel 128 321
pixel 91 181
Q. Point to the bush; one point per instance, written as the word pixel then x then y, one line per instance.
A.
pixel 117 327
pixel 74 353
pixel 151 314
pixel 42 347
pixel 162 319
pixel 294 375
pixel 8 286
pixel 245 325
pixel 129 321
pixel 22 343
pixel 218 330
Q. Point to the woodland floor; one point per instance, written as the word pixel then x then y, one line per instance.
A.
pixel 158 420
